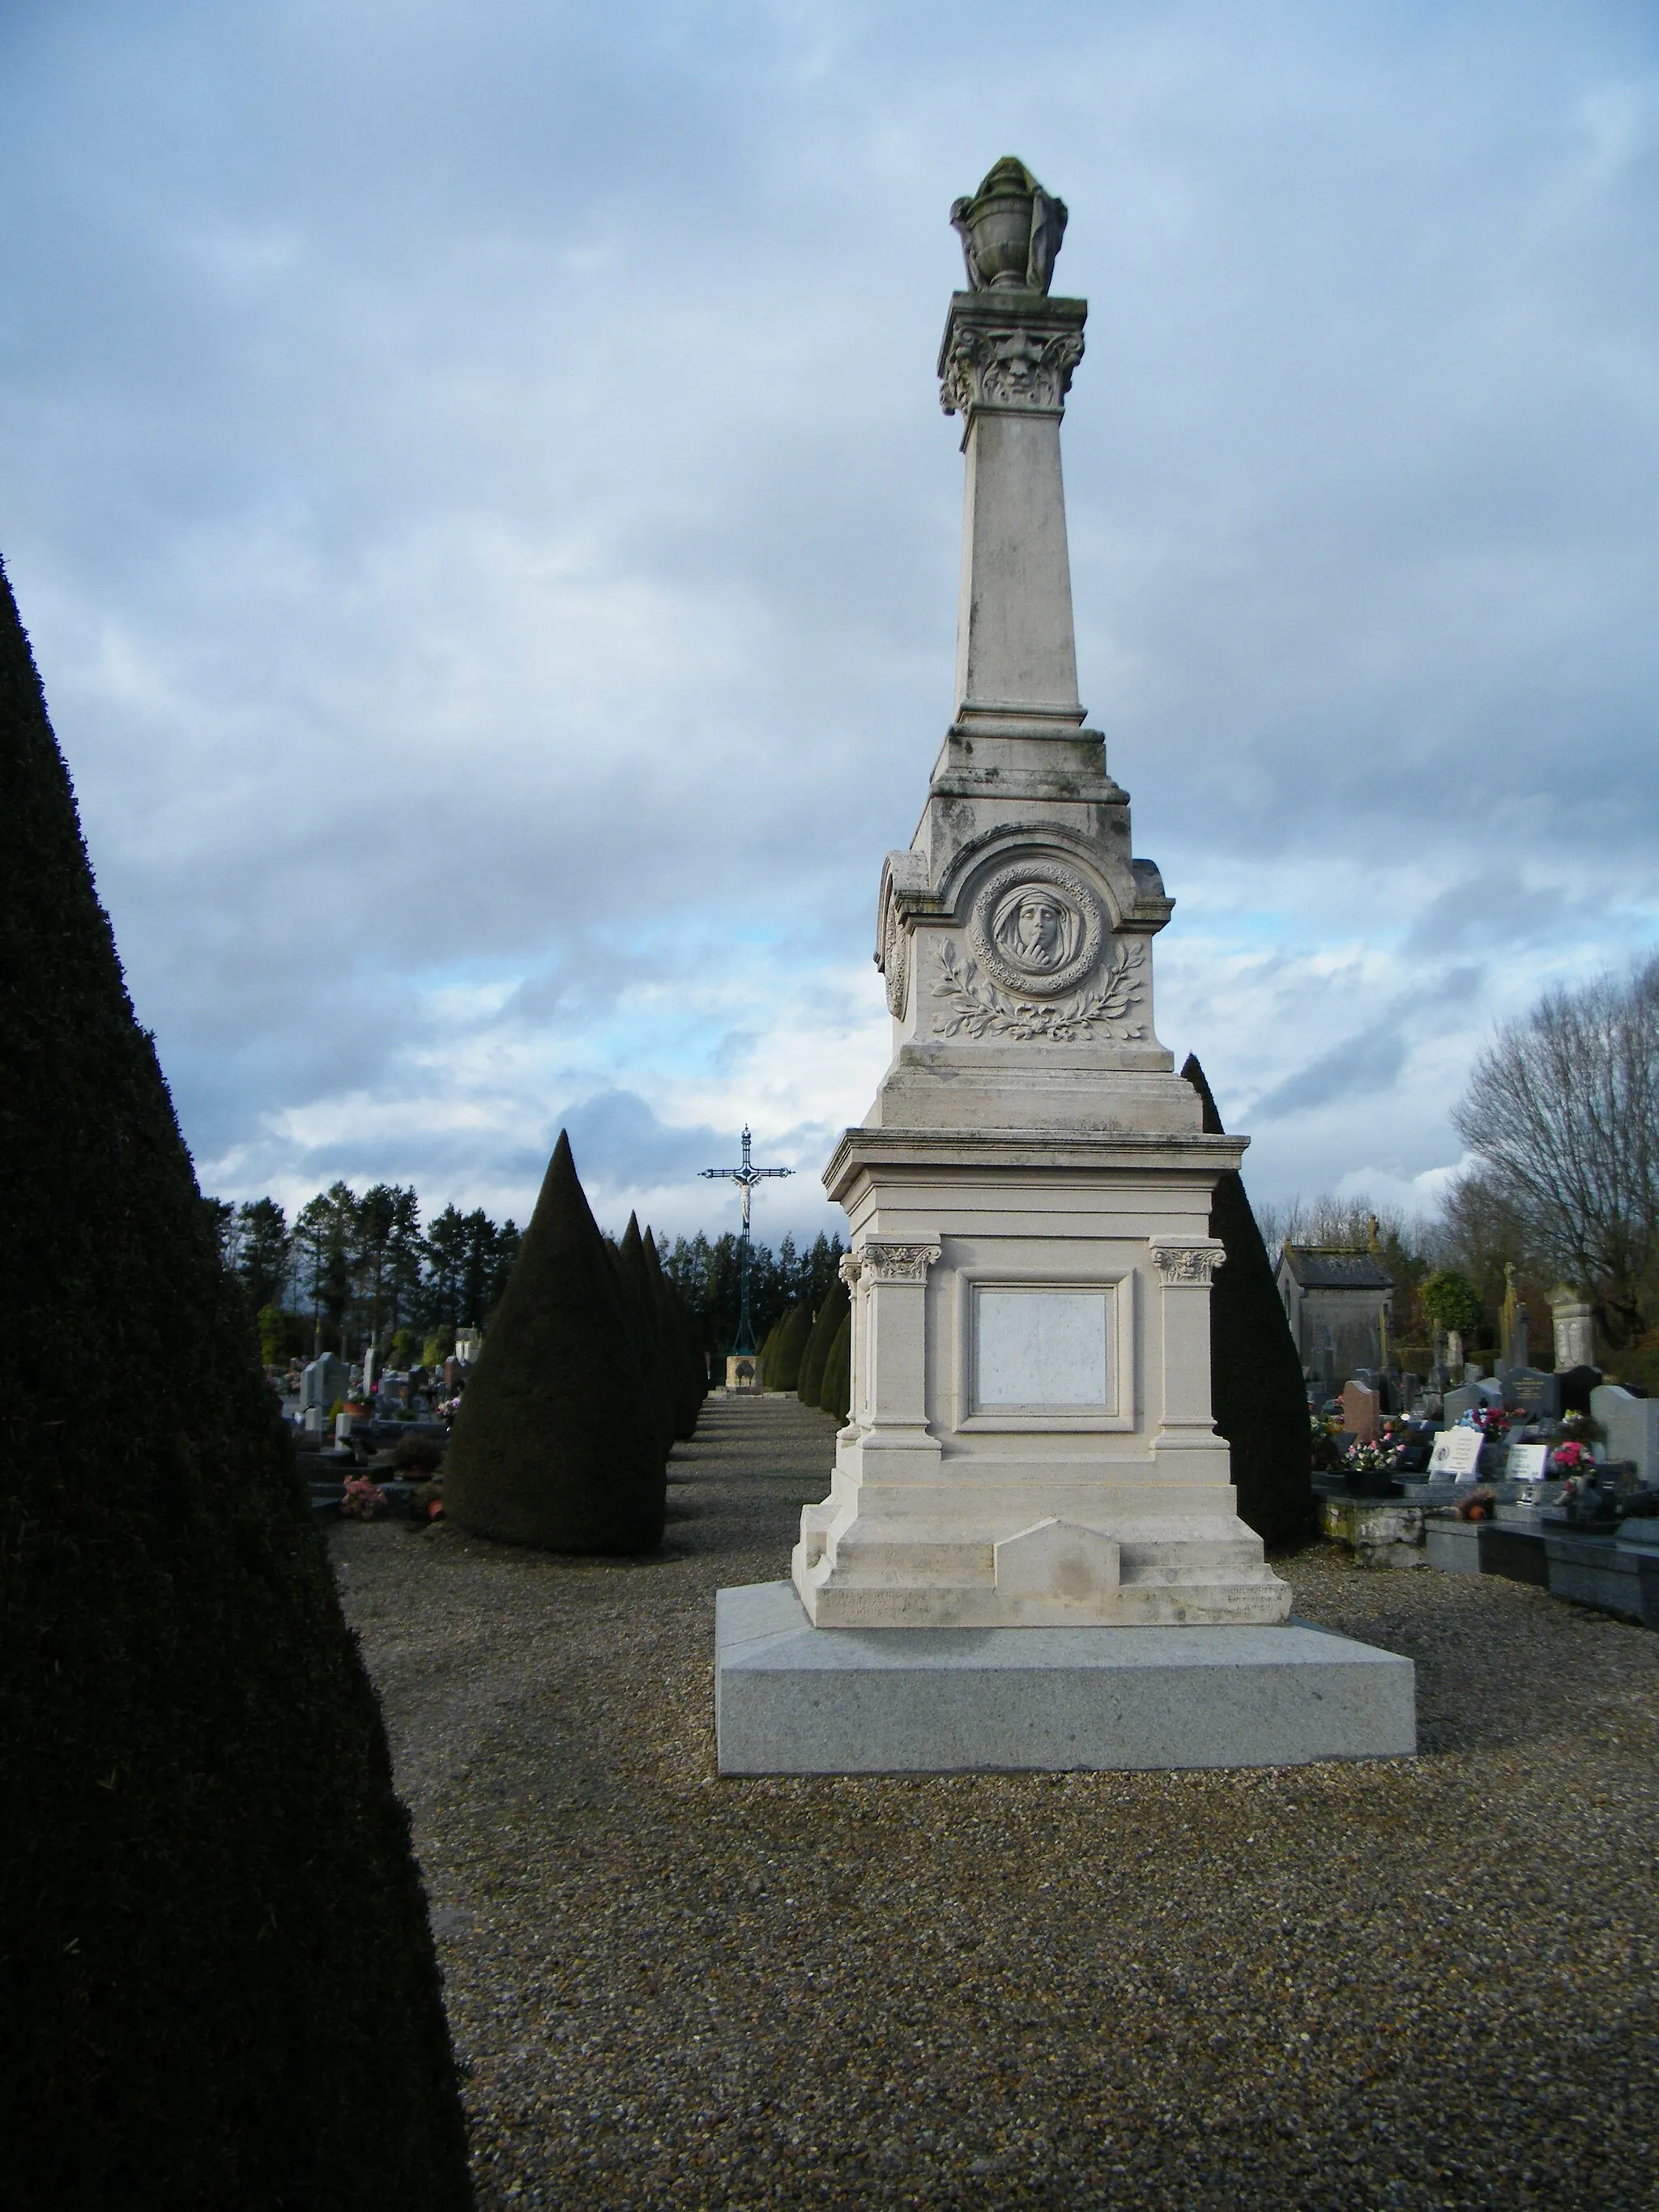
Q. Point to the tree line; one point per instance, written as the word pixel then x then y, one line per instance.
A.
pixel 1560 1117
pixel 352 1269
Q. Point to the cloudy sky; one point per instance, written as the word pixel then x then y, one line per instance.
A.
pixel 473 475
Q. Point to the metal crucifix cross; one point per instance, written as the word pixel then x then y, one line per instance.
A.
pixel 746 1178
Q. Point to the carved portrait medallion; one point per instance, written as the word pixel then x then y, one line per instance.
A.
pixel 1037 928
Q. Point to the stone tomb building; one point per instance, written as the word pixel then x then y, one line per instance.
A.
pixel 1338 1303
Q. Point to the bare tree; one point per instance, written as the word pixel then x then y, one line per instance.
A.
pixel 1563 1112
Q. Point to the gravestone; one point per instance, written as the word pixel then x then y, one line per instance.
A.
pixel 1577 1384
pixel 1457 1454
pixel 1360 1408
pixel 1574 1319
pixel 1512 1325
pixel 326 1379
pixel 1530 1391
pixel 1457 1403
pixel 469 1343
pixel 1633 1429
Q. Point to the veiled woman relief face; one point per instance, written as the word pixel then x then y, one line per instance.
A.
pixel 1040 930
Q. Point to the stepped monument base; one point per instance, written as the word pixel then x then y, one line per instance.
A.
pixel 790 1699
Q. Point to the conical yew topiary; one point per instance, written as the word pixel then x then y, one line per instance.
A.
pixel 1257 1393
pixel 556 1444
pixel 654 1357
pixel 831 1316
pixel 219 1986
pixel 788 1343
pixel 684 1372
pixel 835 1392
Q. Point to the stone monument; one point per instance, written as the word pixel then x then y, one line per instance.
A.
pixel 1573 1316
pixel 1030 1453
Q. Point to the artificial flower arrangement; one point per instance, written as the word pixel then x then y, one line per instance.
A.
pixel 364 1500
pixel 1571 1458
pixel 1373 1459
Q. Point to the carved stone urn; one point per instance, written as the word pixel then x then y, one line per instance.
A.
pixel 1010 230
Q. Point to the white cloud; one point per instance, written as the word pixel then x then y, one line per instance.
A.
pixel 474 481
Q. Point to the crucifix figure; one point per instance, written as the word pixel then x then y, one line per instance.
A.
pixel 746 1178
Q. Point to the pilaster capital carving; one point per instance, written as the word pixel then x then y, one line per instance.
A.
pixel 1006 359
pixel 848 1267
pixel 1188 1266
pixel 890 1261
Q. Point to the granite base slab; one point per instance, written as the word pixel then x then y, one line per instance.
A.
pixel 790 1699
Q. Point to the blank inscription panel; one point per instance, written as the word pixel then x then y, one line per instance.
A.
pixel 1040 1349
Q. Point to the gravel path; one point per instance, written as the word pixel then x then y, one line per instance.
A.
pixel 1422 1983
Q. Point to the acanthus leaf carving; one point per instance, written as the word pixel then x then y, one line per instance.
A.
pixel 1009 366
pixel 976 1007
pixel 885 1262
pixel 1188 1265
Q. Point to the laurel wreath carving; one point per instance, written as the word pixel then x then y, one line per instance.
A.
pixel 977 1008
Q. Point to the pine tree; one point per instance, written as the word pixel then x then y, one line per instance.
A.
pixel 832 1313
pixel 557 1442
pixel 1256 1390
pixel 219 1985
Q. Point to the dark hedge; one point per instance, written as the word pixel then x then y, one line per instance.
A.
pixel 219 1984
pixel 676 1328
pixel 831 1316
pixel 1256 1388
pixel 788 1341
pixel 556 1444
pixel 835 1392
pixel 646 1327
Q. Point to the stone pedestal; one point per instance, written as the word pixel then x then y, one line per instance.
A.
pixel 792 1699
pixel 1573 1317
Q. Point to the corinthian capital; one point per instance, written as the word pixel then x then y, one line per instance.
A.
pixel 1008 354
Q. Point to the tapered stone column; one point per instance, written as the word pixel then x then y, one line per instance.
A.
pixel 1005 367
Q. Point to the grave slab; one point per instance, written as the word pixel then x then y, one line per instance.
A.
pixel 790 1698
pixel 1454 1547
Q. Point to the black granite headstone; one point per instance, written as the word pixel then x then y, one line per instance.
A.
pixel 1577 1384
pixel 1530 1391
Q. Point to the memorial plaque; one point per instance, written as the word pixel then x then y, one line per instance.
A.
pixel 1528 1463
pixel 1457 1452
pixel 1042 1348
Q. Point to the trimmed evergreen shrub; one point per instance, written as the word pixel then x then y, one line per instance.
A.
pixel 835 1392
pixel 219 1984
pixel 654 1359
pixel 831 1316
pixel 685 1367
pixel 789 1342
pixel 556 1444
pixel 1256 1389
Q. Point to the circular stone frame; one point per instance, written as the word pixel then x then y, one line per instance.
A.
pixel 896 963
pixel 1071 891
